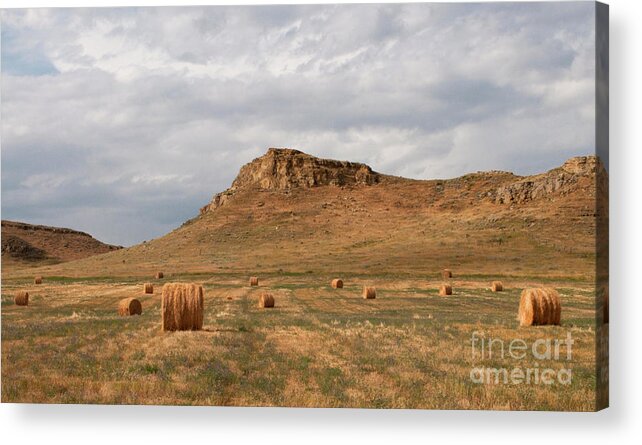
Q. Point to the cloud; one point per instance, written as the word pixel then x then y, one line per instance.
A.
pixel 124 121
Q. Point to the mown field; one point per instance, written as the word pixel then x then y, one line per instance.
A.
pixel 319 347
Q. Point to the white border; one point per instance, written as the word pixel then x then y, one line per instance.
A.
pixel 183 425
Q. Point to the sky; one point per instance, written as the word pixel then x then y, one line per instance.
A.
pixel 123 122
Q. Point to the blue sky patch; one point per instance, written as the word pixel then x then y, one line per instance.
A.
pixel 19 61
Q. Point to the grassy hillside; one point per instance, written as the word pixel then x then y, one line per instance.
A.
pixel 396 226
pixel 28 245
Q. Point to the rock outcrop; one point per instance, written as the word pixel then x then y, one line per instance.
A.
pixel 559 180
pixel 582 165
pixel 18 248
pixel 284 169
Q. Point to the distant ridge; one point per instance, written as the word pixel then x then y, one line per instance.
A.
pixel 38 244
pixel 282 169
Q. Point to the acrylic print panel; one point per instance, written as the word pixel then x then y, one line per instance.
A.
pixel 271 206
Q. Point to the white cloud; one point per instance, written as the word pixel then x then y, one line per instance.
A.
pixel 132 118
pixel 151 179
pixel 43 182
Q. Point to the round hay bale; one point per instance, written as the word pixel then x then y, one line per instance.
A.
pixel 446 273
pixel 539 306
pixel 148 288
pixel 445 289
pixel 266 300
pixel 129 306
pixel 496 286
pixel 555 306
pixel 544 308
pixel 369 292
pixel 337 283
pixel 37 280
pixel 159 275
pixel 527 307
pixel 254 281
pixel 182 307
pixel 21 299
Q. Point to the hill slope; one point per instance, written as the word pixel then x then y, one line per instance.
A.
pixel 33 245
pixel 289 212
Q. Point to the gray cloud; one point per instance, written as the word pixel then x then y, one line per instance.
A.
pixel 124 121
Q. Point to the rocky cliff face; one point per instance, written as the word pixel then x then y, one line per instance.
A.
pixel 284 169
pixel 582 165
pixel 16 247
pixel 560 180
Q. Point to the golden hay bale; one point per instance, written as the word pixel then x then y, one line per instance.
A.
pixel 445 289
pixel 337 283
pixel 496 286
pixel 129 306
pixel 37 280
pixel 556 305
pixel 182 307
pixel 266 300
pixel 149 288
pixel 22 298
pixel 254 281
pixel 159 275
pixel 539 306
pixel 544 308
pixel 446 273
pixel 527 313
pixel 369 292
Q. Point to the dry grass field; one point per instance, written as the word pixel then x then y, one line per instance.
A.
pixel 408 348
